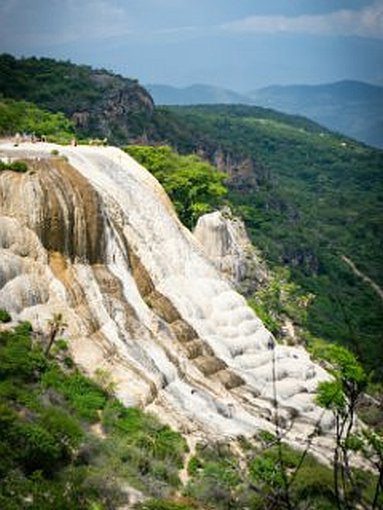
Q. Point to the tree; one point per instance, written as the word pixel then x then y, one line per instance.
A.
pixel 56 326
pixel 194 186
pixel 341 397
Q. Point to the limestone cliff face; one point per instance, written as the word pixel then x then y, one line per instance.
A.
pixel 226 243
pixel 96 239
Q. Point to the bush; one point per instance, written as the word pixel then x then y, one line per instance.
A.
pixel 25 117
pixel 15 166
pixel 61 344
pixel 84 396
pixel 17 357
pixel 194 186
pixel 4 316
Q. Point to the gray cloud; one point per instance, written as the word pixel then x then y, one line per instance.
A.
pixel 43 23
pixel 367 22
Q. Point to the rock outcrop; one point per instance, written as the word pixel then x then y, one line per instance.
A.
pixel 226 243
pixel 100 103
pixel 96 239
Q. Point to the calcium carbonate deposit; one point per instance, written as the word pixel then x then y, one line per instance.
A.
pixel 92 235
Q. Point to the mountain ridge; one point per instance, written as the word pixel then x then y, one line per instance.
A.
pixel 278 165
pixel 194 94
pixel 351 107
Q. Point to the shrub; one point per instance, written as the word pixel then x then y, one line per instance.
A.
pixel 84 395
pixel 4 316
pixel 194 186
pixel 15 166
pixel 37 448
pixel 17 357
pixel 61 344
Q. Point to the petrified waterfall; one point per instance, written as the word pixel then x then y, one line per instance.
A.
pixel 92 235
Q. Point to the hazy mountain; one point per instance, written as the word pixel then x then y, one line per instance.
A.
pixel 350 107
pixel 195 94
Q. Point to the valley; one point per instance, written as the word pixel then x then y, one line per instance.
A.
pixel 213 276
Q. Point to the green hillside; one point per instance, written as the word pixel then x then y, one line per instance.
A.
pixel 67 443
pixel 350 107
pixel 308 197
pixel 22 116
pixel 100 103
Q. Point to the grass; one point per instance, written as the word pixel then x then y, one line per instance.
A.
pixel 47 448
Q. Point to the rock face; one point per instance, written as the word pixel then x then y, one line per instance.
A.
pixel 96 239
pixel 227 245
pixel 123 105
pixel 99 102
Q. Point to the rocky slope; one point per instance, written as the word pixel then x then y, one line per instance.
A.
pixel 94 236
pixel 226 243
pixel 100 103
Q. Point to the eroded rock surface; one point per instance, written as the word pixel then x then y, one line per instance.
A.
pixel 226 243
pixel 96 238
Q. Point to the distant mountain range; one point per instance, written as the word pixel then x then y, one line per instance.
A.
pixel 195 94
pixel 349 107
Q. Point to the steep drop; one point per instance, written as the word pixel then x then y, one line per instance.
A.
pixel 96 238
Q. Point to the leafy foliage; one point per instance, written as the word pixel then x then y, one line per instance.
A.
pixel 14 166
pixel 280 298
pixel 194 186
pixel 308 197
pixel 219 480
pixel 4 316
pixel 341 396
pixel 21 116
pixel 156 504
pixel 48 457
pixel 100 103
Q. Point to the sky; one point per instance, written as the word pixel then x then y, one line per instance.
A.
pixel 237 44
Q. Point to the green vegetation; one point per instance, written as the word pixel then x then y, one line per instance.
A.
pixel 67 443
pixel 220 481
pixel 49 457
pixel 341 396
pixel 156 504
pixel 194 186
pixel 280 298
pixel 15 166
pixel 4 316
pixel 100 103
pixel 309 197
pixel 20 117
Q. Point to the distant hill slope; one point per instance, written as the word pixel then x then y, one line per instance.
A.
pixel 99 102
pixel 195 94
pixel 349 107
pixel 308 198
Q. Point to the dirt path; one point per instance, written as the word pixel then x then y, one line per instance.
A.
pixel 364 277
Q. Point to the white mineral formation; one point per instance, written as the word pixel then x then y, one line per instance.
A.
pixel 226 243
pixel 94 237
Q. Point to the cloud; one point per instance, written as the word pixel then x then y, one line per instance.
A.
pixel 367 22
pixel 55 22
